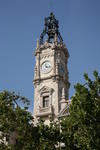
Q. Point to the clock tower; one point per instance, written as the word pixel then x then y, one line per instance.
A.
pixel 51 83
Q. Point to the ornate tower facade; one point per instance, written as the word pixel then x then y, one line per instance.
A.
pixel 51 83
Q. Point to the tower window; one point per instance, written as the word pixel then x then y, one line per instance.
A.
pixel 45 101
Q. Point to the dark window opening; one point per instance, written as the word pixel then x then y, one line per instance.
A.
pixel 45 101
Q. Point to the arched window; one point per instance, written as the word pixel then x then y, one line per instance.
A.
pixel 46 101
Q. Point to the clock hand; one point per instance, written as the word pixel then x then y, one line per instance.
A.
pixel 46 66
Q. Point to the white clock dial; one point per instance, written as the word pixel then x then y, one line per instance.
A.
pixel 46 67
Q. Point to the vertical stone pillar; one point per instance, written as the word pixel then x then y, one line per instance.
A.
pixel 63 99
pixel 55 39
pixel 35 72
pixel 38 65
pixel 57 68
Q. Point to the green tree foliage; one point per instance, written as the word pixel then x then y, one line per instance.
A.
pixel 78 131
pixel 81 129
pixel 15 122
pixel 49 136
pixel 17 131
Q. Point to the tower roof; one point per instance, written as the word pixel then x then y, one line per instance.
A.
pixel 51 29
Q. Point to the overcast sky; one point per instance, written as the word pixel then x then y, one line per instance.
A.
pixel 21 23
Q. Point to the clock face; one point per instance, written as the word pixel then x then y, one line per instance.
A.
pixel 46 67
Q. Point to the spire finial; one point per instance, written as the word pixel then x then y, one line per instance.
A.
pixel 51 29
pixel 38 44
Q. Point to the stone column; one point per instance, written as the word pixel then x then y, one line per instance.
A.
pixel 35 72
pixel 63 100
pixel 38 65
pixel 57 68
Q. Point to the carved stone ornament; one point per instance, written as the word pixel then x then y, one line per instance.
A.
pixel 45 89
pixel 65 111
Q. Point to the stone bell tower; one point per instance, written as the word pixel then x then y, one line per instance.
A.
pixel 51 83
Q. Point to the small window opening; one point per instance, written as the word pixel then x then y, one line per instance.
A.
pixel 45 101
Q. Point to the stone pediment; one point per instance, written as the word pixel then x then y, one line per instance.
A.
pixel 45 89
pixel 65 111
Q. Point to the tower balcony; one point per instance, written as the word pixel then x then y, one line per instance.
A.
pixel 45 111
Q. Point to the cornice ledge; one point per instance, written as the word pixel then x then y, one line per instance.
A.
pixel 46 45
pixel 52 46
